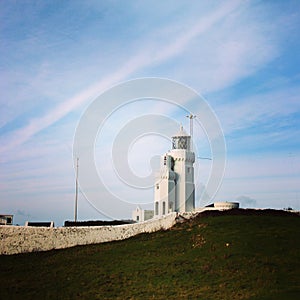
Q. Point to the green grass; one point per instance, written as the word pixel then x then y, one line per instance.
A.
pixel 223 257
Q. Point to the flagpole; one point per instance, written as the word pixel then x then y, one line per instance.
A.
pixel 76 191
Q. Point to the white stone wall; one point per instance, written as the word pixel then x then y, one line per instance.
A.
pixel 21 239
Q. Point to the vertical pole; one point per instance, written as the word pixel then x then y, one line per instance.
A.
pixel 191 127
pixel 76 192
pixel 191 117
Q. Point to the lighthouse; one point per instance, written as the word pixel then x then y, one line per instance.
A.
pixel 174 188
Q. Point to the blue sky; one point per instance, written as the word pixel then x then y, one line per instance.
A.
pixel 58 56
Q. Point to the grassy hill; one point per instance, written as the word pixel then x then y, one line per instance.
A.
pixel 229 255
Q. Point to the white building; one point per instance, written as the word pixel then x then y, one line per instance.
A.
pixel 221 206
pixel 174 185
pixel 141 215
pixel 6 219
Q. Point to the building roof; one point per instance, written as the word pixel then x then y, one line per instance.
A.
pixel 181 132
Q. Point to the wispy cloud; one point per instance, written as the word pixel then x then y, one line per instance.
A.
pixel 265 109
pixel 139 60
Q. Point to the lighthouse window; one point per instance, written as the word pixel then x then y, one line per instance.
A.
pixel 180 142
pixel 189 170
pixel 174 143
pixel 164 208
pixel 157 186
pixel 156 208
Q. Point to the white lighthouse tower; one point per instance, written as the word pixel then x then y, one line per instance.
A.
pixel 174 185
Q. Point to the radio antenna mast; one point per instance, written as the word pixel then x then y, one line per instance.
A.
pixel 76 191
pixel 191 117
